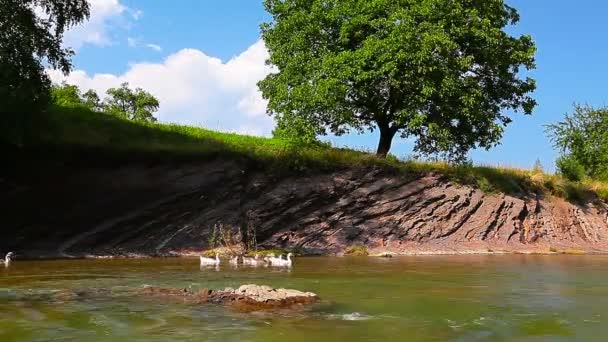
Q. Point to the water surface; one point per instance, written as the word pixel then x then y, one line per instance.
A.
pixel 431 298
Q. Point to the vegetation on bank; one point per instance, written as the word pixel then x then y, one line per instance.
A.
pixel 340 73
pixel 582 139
pixel 77 132
pixel 357 251
pixel 124 102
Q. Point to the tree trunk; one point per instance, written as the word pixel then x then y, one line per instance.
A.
pixel 386 139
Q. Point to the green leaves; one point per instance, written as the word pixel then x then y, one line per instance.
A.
pixel 27 39
pixel 66 95
pixel 408 65
pixel 91 100
pixel 582 138
pixel 136 105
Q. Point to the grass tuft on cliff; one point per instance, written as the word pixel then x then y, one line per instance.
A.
pixel 74 133
pixel 356 251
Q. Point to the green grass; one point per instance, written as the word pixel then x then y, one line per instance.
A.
pixel 75 133
pixel 267 252
pixel 356 251
pixel 261 253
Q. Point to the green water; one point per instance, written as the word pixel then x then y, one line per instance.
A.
pixel 434 298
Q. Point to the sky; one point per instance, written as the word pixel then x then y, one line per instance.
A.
pixel 203 59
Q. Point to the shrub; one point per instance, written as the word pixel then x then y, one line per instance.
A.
pixel 266 252
pixel 581 136
pixel 570 168
pixel 296 130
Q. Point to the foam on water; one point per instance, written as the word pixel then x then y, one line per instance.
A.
pixel 354 316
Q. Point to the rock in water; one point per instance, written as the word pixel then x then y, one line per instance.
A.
pixel 246 298
pixel 255 297
pixel 266 293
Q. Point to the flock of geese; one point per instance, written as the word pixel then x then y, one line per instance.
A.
pixel 269 260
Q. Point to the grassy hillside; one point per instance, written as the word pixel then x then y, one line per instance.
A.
pixel 74 132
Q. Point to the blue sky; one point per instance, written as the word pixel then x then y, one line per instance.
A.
pixel 203 58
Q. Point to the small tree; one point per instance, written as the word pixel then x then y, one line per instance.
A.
pixel 70 95
pixel 441 71
pixel 582 138
pixel 136 105
pixel 66 95
pixel 538 166
pixel 91 100
pixel 296 129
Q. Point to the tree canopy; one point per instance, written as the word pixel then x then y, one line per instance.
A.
pixel 66 95
pixel 31 32
pixel 123 102
pixel 582 138
pixel 92 100
pixel 439 71
pixel 133 105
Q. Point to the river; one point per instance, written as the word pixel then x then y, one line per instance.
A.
pixel 422 298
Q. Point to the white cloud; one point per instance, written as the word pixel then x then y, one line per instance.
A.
pixel 104 13
pixel 194 88
pixel 136 14
pixel 134 42
pixel 154 47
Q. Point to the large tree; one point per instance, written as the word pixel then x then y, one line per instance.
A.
pixel 31 33
pixel 441 71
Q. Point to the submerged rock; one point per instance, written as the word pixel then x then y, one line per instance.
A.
pixel 267 293
pixel 246 298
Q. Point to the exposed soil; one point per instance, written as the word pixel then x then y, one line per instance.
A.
pixel 171 209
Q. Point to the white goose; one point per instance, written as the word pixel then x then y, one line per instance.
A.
pixel 288 262
pixel 209 261
pixel 280 261
pixel 234 261
pixel 274 261
pixel 285 262
pixel 255 261
pixel 8 258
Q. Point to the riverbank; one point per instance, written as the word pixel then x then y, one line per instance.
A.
pixel 100 190
pixel 425 251
pixel 174 209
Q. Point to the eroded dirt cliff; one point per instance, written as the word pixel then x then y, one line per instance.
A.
pixel 172 209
